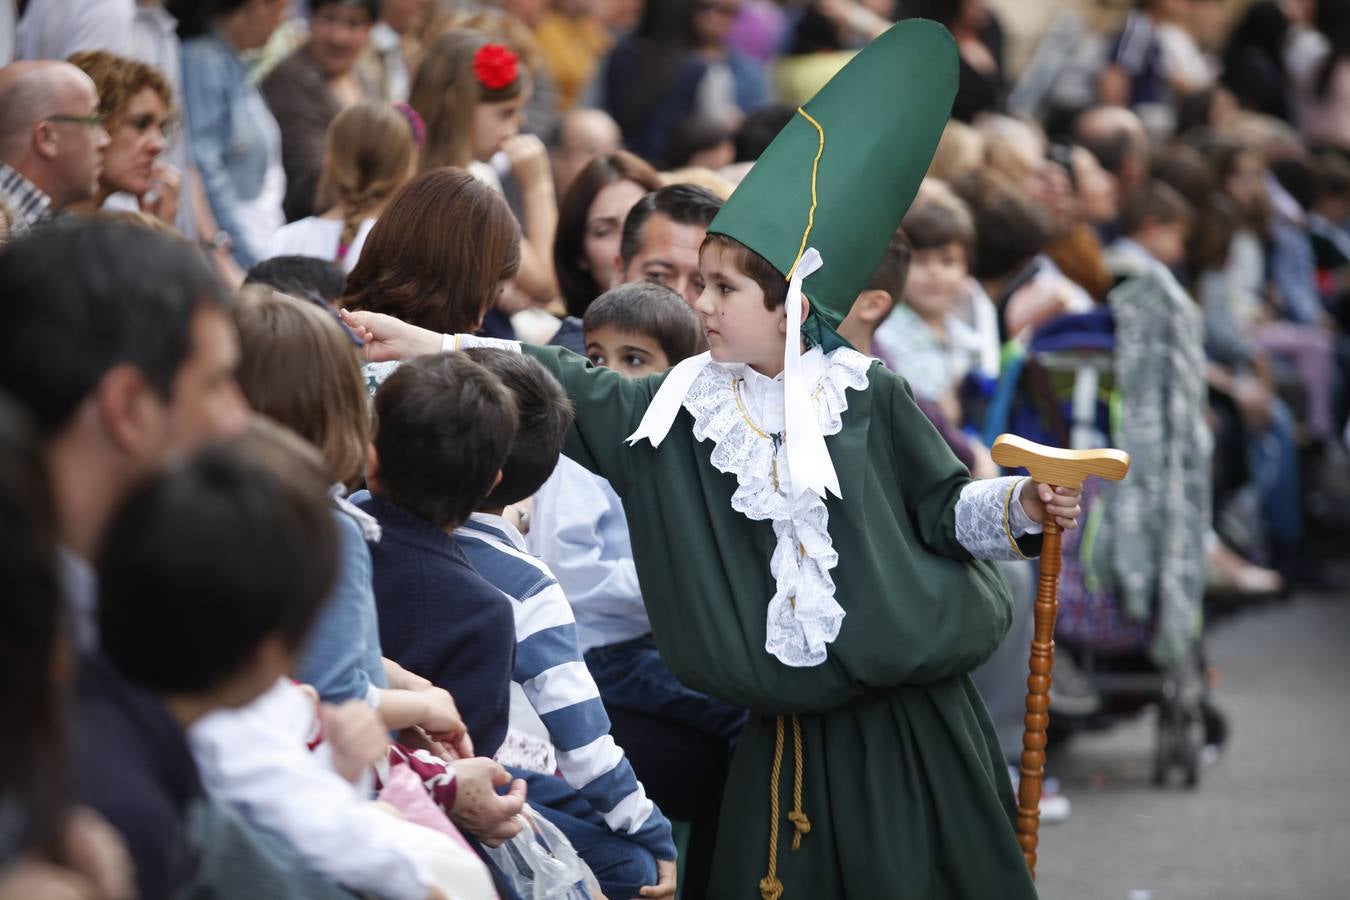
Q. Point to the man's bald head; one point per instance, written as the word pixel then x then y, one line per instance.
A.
pixel 1117 138
pixel 30 91
pixel 583 134
pixel 47 128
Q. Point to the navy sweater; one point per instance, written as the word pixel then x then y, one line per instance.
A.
pixel 441 620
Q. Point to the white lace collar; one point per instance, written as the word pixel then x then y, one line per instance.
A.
pixel 742 413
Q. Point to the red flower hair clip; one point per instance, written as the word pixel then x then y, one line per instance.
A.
pixel 495 67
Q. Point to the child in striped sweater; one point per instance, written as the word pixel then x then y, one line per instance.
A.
pixel 598 803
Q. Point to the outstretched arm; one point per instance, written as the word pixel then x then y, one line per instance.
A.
pixel 608 406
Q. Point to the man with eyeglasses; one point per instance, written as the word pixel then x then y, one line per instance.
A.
pixel 51 141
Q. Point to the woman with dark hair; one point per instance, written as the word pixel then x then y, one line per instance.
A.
pixel 45 843
pixel 979 39
pixel 677 64
pixel 235 140
pixel 1253 60
pixel 438 255
pixel 590 223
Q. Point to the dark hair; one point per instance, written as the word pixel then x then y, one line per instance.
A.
pixel 443 428
pixel 753 266
pixel 659 52
pixel 299 275
pixel 33 773
pixel 372 7
pixel 652 310
pixel 1300 178
pixel 437 253
pixel 759 128
pixel 577 283
pixel 1185 170
pixel 543 415
pixel 1157 201
pixel 1211 237
pixel 892 272
pixel 935 224
pixel 693 135
pixel 211 556
pixel 1333 22
pixel 1009 230
pixel 82 298
pixel 194 16
pixel 685 204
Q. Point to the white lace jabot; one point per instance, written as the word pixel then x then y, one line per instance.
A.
pixel 742 412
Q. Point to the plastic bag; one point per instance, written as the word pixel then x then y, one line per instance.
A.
pixel 541 864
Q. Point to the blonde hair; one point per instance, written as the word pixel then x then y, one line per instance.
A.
pixel 368 157
pixel 961 150
pixel 297 366
pixel 700 176
pixel 446 91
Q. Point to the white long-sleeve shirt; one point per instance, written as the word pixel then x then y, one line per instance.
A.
pixel 580 531
pixel 256 758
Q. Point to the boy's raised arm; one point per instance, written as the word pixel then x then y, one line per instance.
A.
pixel 608 406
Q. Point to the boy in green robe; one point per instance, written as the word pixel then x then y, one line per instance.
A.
pixel 785 468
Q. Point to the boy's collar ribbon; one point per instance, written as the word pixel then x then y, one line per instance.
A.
pixel 809 465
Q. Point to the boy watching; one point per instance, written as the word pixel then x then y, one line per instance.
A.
pixel 549 666
pixel 1156 222
pixel 210 575
pixel 923 340
pixel 444 426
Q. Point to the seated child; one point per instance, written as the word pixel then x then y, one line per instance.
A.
pixel 210 577
pixel 923 340
pixel 580 531
pixel 444 426
pixel 605 812
pixel 299 366
pixel 836 588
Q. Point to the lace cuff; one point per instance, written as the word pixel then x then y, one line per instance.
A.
pixel 452 342
pixel 989 519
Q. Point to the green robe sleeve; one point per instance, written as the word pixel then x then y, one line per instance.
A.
pixel 609 407
pixel 923 459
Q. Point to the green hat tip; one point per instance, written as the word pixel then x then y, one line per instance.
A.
pixel 841 174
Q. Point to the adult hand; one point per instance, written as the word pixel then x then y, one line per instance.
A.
pixel 95 850
pixel 529 161
pixel 166 186
pixel 387 338
pixel 31 879
pixel 1040 499
pixel 665 881
pixel 479 809
pixel 356 735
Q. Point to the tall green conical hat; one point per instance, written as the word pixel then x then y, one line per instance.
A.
pixel 840 176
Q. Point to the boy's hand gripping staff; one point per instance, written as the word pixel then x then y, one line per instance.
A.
pixel 1060 468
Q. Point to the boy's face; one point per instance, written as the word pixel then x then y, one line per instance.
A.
pixel 1166 242
pixel 937 276
pixel 627 352
pixel 731 309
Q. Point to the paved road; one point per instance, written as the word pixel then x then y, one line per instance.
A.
pixel 1271 818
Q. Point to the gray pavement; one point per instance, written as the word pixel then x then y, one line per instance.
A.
pixel 1271 818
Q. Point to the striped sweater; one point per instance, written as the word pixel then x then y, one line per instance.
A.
pixel 558 685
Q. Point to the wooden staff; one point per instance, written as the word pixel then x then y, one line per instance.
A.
pixel 1061 468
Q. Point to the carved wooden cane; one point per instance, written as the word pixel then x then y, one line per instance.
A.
pixel 1061 468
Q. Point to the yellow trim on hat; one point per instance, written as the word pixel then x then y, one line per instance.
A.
pixel 811 215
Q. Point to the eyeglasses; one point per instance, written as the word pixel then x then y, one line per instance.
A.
pixel 93 121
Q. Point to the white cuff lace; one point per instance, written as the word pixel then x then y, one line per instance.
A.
pixel 453 342
pixel 990 518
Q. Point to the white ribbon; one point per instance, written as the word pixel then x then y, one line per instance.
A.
pixel 665 406
pixel 809 465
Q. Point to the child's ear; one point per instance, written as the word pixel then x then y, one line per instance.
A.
pixel 873 305
pixel 372 467
pixel 620 276
pixel 806 311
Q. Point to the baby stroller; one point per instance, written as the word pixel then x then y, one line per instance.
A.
pixel 1061 390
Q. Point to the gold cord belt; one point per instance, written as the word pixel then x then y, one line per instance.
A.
pixel 770 888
